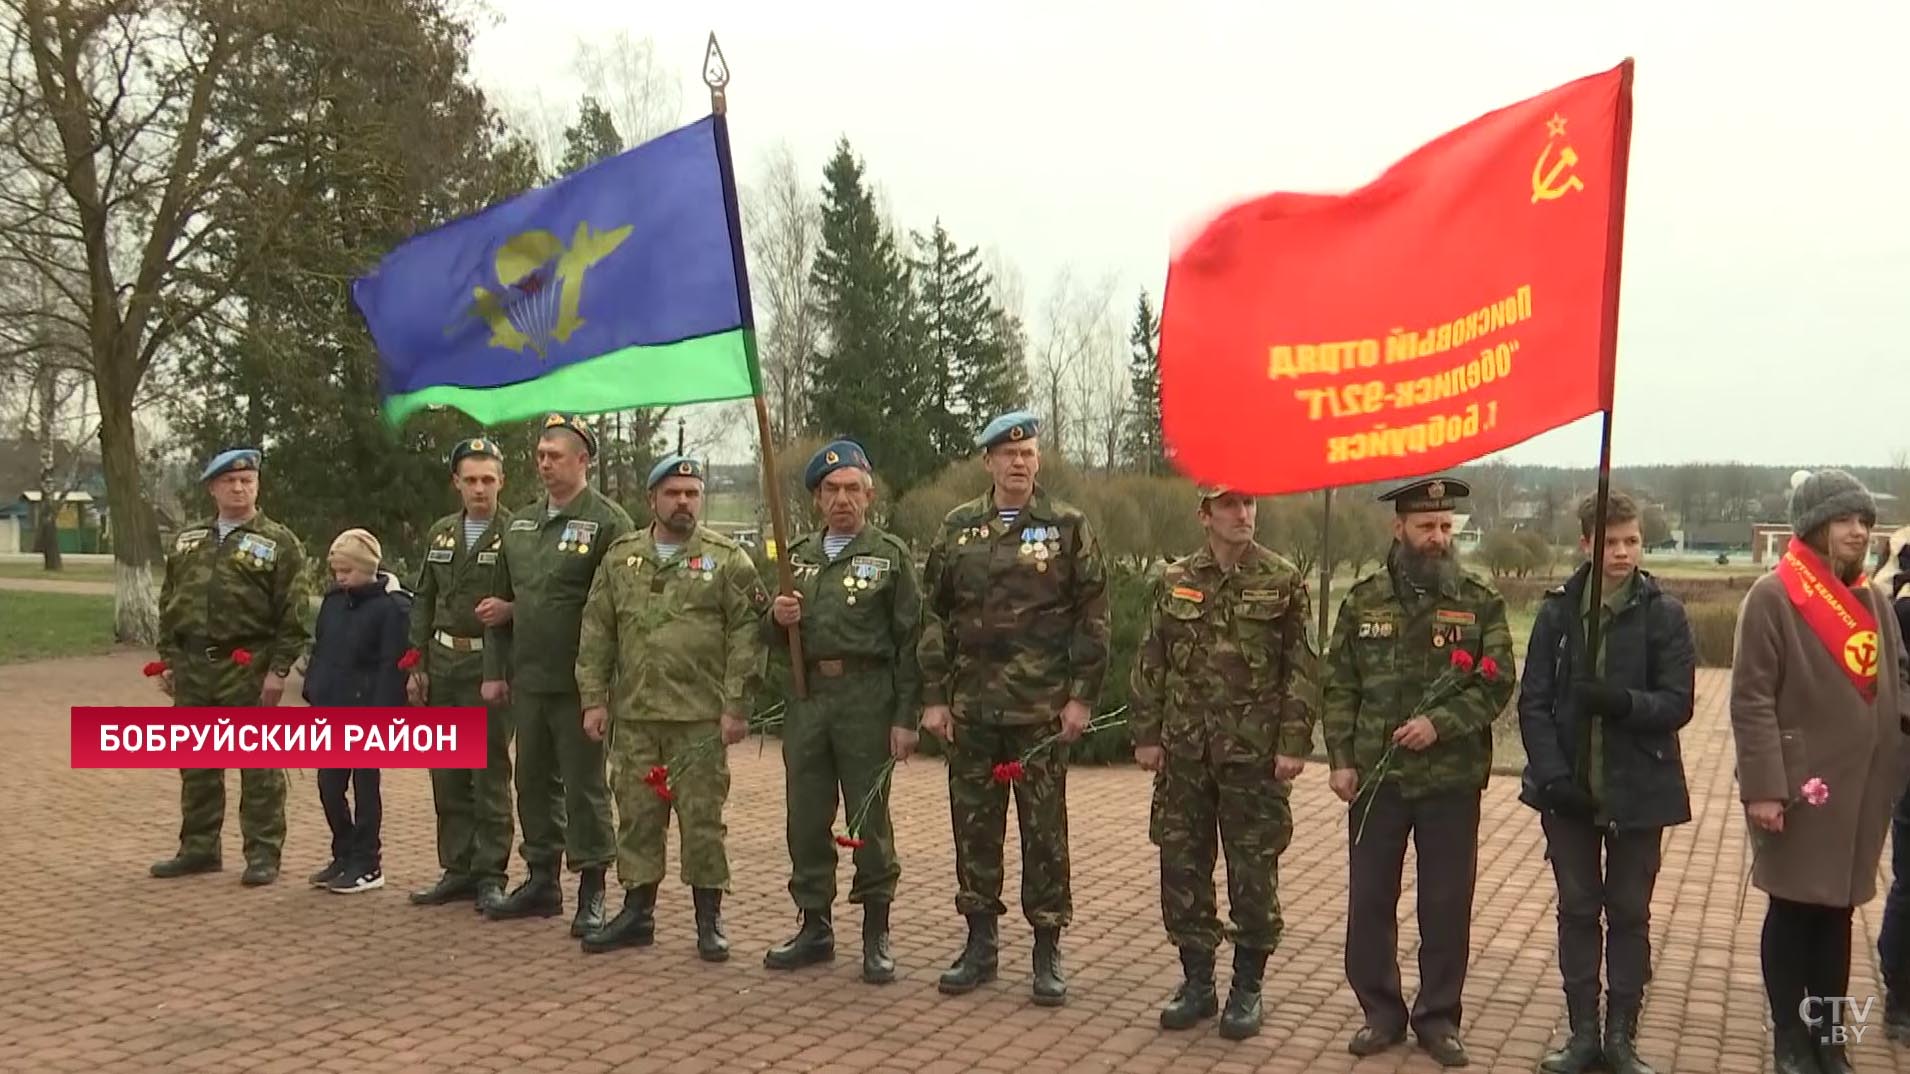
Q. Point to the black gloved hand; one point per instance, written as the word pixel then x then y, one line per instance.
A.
pixel 1600 699
pixel 1569 800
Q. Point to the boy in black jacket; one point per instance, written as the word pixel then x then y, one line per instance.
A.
pixel 357 653
pixel 1604 771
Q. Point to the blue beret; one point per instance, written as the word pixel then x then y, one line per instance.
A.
pixel 230 461
pixel 834 456
pixel 1014 425
pixel 675 466
pixel 478 446
pixel 576 424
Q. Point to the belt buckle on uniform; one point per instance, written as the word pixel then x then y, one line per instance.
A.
pixel 829 669
pixel 211 654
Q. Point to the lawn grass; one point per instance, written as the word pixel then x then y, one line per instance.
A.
pixel 37 626
pixel 71 572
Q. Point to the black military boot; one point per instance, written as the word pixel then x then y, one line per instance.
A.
pixel 1051 981
pixel 1621 1036
pixel 1195 998
pixel 449 888
pixel 878 964
pixel 183 864
pixel 259 873
pixel 976 964
pixel 1830 1054
pixel 1242 1017
pixel 1582 1051
pixel 634 926
pixel 489 894
pixel 814 941
pixel 712 943
pixel 590 902
pixel 1791 1051
pixel 538 896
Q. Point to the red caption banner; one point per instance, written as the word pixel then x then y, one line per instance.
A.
pixel 184 737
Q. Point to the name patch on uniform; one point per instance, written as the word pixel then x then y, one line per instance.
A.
pixel 190 540
pixel 523 525
pixel 877 565
pixel 1378 628
pixel 1261 594
pixel 1444 616
pixel 442 555
pixel 1188 593
pixel 485 558
pixel 581 525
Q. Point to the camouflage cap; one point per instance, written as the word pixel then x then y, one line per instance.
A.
pixel 576 424
pixel 1211 492
pixel 1430 494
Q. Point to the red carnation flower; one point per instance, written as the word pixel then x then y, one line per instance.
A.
pixel 658 775
pixel 663 791
pixel 1009 772
pixel 1462 660
pixel 410 660
pixel 154 669
pixel 1489 669
pixel 242 657
pixel 849 841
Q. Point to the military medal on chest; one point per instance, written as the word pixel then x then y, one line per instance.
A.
pixel 703 567
pixel 863 572
pixel 576 536
pixel 1040 544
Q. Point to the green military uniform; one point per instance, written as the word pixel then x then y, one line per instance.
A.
pixel 668 646
pixel 861 622
pixel 473 805
pixel 547 562
pixel 1225 681
pixel 1393 639
pixel 243 591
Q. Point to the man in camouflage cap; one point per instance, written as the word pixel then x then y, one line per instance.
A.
pixel 669 663
pixel 452 596
pixel 1014 650
pixel 234 615
pixel 858 604
pixel 550 552
pixel 1402 629
pixel 1223 696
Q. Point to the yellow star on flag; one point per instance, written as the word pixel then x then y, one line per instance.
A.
pixel 1555 127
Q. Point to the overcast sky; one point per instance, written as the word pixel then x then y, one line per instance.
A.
pixel 1767 254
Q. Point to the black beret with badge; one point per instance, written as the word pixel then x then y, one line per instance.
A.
pixel 1431 494
pixel 475 447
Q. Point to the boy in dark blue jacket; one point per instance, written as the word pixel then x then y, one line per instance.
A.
pixel 1604 771
pixel 357 649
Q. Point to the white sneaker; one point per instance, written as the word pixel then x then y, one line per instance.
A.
pixel 353 882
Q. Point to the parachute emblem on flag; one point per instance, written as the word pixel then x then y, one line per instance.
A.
pixel 542 287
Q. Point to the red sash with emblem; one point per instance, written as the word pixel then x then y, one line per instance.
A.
pixel 1832 611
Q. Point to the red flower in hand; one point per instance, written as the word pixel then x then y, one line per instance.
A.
pixel 1489 669
pixel 658 775
pixel 242 657
pixel 410 660
pixel 663 791
pixel 154 669
pixel 849 841
pixel 1008 772
pixel 1462 660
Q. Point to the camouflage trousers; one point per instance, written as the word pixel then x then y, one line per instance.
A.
pixel 201 682
pixel 1242 808
pixel 835 743
pixel 978 808
pixel 561 799
pixel 473 805
pixel 698 787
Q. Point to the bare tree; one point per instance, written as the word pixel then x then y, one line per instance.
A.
pixel 1071 355
pixel 782 223
pixel 540 120
pixel 642 94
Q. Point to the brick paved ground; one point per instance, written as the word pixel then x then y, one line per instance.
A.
pixel 106 969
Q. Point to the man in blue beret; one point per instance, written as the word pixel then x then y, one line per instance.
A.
pixel 452 598
pixel 234 615
pixel 1014 650
pixel 544 567
pixel 858 604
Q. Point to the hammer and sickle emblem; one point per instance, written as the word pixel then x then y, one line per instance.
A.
pixel 1545 183
pixel 1860 653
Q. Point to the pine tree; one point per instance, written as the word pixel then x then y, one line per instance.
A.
pixel 868 381
pixel 592 138
pixel 1146 452
pixel 958 327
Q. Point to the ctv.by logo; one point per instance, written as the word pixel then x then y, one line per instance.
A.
pixel 1837 1019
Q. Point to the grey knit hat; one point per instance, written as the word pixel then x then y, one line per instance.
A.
pixel 1816 498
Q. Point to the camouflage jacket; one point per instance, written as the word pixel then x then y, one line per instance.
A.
pixel 1227 671
pixel 545 571
pixel 678 639
pixel 450 583
pixel 248 591
pixel 1017 615
pixel 863 606
pixel 1390 643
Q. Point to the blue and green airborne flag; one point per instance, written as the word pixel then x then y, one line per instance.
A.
pixel 612 288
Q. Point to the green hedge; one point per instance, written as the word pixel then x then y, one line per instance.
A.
pixel 1714 626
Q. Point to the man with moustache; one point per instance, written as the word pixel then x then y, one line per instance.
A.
pixel 550 553
pixel 668 665
pixel 452 605
pixel 1396 636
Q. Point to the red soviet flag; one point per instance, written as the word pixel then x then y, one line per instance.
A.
pixel 1461 303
